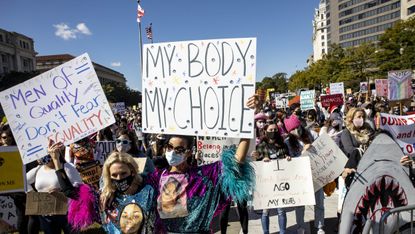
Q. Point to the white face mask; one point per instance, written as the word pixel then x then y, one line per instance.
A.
pixel 123 147
pixel 174 159
pixel 358 122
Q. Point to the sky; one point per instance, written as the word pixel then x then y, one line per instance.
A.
pixel 108 31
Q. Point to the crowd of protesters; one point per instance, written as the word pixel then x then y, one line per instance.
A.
pixel 173 194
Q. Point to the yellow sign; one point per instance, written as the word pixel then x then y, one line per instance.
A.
pixel 12 173
pixel 268 91
pixel 349 91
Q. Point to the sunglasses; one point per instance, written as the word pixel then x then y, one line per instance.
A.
pixel 178 149
pixel 124 142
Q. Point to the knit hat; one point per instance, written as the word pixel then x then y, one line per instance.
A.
pixel 332 108
pixel 260 115
pixel 292 123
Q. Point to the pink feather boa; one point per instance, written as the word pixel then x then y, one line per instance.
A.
pixel 82 212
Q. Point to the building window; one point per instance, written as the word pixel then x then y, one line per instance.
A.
pixel 4 58
pixel 322 44
pixel 1 37
pixel 323 51
pixel 322 24
pixel 322 37
pixel 411 10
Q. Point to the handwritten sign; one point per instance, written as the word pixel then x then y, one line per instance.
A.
pixel 400 85
pixel 327 161
pixel 282 183
pixel 12 171
pixel 8 216
pixel 103 149
pixel 337 88
pixel 402 128
pixel 281 101
pixel 118 107
pixel 46 203
pixel 307 99
pixel 199 87
pixel 91 174
pixel 381 86
pixel 64 104
pixel 331 100
pixel 364 87
pixel 211 148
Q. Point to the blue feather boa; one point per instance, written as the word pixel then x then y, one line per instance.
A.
pixel 238 179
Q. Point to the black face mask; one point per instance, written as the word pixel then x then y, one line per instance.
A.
pixel 298 113
pixel 272 135
pixel 123 184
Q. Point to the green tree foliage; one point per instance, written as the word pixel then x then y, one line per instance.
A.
pixel 277 81
pixel 117 92
pixel 14 78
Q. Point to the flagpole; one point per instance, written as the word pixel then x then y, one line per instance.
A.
pixel 141 45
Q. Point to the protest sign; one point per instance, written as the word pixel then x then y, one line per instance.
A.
pixel 199 87
pixel 118 107
pixel 331 100
pixel 8 215
pixel 261 94
pixel 293 100
pixel 364 87
pixel 348 91
pixel 337 88
pixel 64 104
pixel 307 99
pixel 327 161
pixel 269 91
pixel 103 149
pixel 12 170
pixel 283 183
pixel 46 203
pixel 402 129
pixel 381 86
pixel 281 101
pixel 90 173
pixel 400 85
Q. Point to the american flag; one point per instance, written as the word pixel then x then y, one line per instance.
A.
pixel 149 32
pixel 140 13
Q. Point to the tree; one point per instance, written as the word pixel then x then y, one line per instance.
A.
pixel 117 92
pixel 277 82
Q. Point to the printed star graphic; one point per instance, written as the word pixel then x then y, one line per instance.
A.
pixel 176 80
pixel 172 128
pixel 234 72
pixel 150 83
pixel 250 77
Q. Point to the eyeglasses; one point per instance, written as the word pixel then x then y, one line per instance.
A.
pixel 124 142
pixel 178 149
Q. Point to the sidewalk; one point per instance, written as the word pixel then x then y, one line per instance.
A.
pixel 330 204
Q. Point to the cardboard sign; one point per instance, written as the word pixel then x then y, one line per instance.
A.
pixel 402 128
pixel 90 174
pixel 331 100
pixel 381 87
pixel 337 88
pixel 103 149
pixel 364 87
pixel 199 87
pixel 269 91
pixel 64 104
pixel 327 161
pixel 12 170
pixel 282 183
pixel 118 107
pixel 307 99
pixel 46 204
pixel 8 216
pixel 400 85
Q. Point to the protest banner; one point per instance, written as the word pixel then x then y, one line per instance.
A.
pixel 103 149
pixel 12 170
pixel 364 87
pixel 283 183
pixel 331 100
pixel 118 107
pixel 199 87
pixel 64 104
pixel 381 86
pixel 337 88
pixel 327 161
pixel 402 129
pixel 46 203
pixel 399 85
pixel 307 99
pixel 8 215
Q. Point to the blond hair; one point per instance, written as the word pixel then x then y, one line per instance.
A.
pixel 116 157
pixel 362 135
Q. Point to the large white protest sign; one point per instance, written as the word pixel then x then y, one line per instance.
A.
pixel 337 88
pixel 307 99
pixel 103 149
pixel 399 85
pixel 402 129
pixel 118 107
pixel 282 183
pixel 64 104
pixel 8 215
pixel 327 161
pixel 199 87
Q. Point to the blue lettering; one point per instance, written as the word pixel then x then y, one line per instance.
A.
pixel 84 109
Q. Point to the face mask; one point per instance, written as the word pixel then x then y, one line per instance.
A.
pixel 272 135
pixel 260 125
pixel 174 159
pixel 123 184
pixel 45 160
pixel 123 148
pixel 358 122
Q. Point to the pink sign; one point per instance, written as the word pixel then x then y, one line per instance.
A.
pixel 381 87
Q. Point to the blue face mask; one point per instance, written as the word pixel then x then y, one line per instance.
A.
pixel 45 160
pixel 174 159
